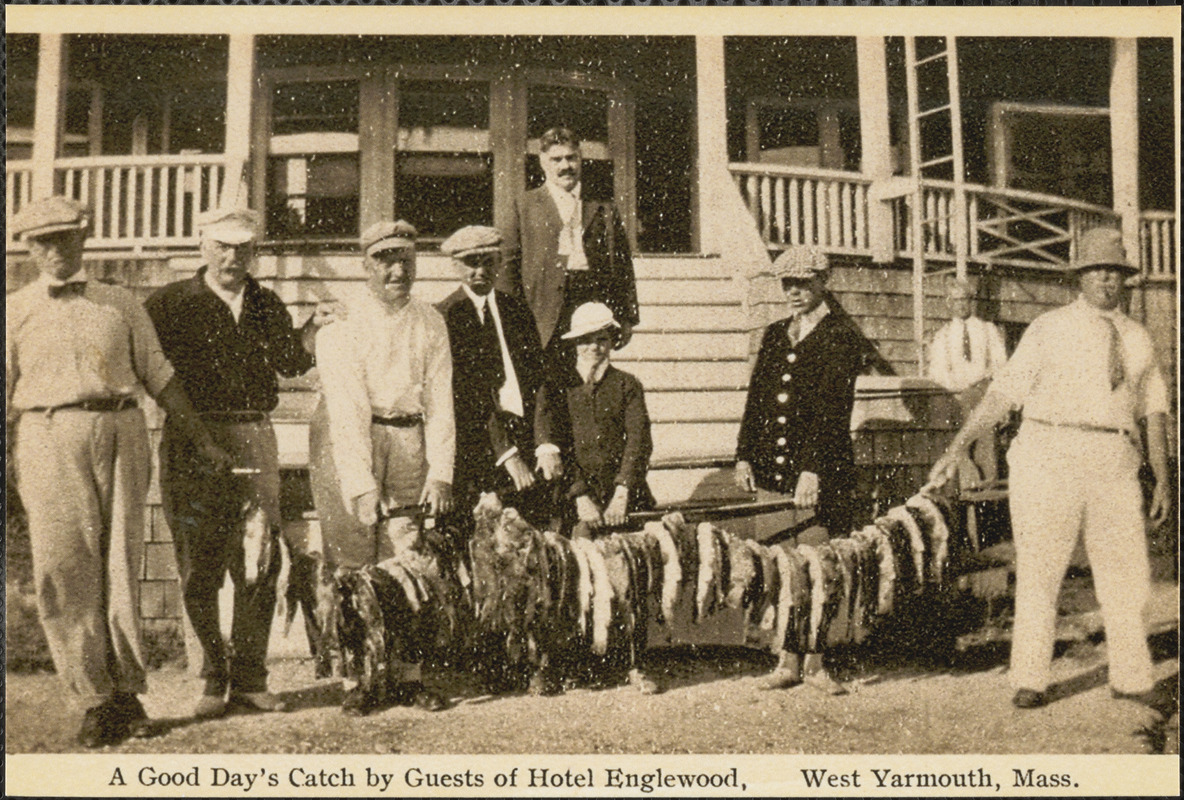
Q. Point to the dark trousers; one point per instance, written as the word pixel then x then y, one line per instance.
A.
pixel 206 514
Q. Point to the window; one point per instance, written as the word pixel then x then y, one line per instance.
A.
pixel 443 156
pixel 313 177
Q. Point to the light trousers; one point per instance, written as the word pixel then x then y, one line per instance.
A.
pixel 83 479
pixel 1065 483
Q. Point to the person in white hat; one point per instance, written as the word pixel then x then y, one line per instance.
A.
pixel 595 417
pixel 77 355
pixel 229 339
pixel 1085 375
pixel 963 355
pixel 382 439
pixel 795 435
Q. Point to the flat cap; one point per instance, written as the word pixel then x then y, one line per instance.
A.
pixel 472 239
pixel 802 262
pixel 387 236
pixel 236 225
pixel 1102 247
pixel 50 215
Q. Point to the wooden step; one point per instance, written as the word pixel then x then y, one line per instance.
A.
pixel 687 293
pixel 653 267
pixel 728 318
pixel 691 375
pixel 691 346
pixel 695 406
pixel 694 439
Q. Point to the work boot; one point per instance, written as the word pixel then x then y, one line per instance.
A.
pixel 787 673
pixel 257 701
pixel 102 725
pixel 134 717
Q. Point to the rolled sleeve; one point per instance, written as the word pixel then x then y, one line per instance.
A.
pixel 1016 378
pixel 148 359
pixel 344 388
pixel 439 423
pixel 1153 399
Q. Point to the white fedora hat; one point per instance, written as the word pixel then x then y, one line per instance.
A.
pixel 590 318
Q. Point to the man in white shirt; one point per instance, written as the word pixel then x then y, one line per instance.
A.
pixel 964 354
pixel 1084 375
pixel 383 437
pixel 563 250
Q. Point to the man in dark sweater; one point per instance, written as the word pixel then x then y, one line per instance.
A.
pixel 228 337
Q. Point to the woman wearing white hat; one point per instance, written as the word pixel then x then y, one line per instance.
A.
pixel 595 418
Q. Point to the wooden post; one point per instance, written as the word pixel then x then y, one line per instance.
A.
pixel 47 110
pixel 711 138
pixel 875 140
pixel 507 130
pixel 240 80
pixel 378 125
pixel 963 227
pixel 623 151
pixel 1124 139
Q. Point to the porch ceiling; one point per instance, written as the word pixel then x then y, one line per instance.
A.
pixel 114 60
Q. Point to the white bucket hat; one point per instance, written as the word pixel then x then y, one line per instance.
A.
pixel 590 318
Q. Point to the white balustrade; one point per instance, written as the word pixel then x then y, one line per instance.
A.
pixel 1157 233
pixel 18 190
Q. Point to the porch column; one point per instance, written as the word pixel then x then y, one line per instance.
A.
pixel 47 110
pixel 875 141
pixel 1124 139
pixel 240 78
pixel 507 131
pixel 711 136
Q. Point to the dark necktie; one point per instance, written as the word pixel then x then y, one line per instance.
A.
pixel 965 340
pixel 492 347
pixel 71 289
pixel 1117 371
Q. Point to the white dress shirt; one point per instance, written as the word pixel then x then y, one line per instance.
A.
pixel 1060 372
pixel 571 237
pixel 386 363
pixel 948 364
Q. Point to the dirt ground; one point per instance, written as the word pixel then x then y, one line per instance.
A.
pixel 712 705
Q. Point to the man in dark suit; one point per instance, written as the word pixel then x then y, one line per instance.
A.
pixel 563 251
pixel 497 366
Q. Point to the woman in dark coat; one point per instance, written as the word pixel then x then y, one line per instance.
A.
pixel 595 419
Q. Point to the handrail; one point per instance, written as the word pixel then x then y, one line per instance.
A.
pixel 90 162
pixel 783 171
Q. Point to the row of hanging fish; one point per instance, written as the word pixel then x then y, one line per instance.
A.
pixel 553 598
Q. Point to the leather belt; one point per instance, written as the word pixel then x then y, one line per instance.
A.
pixel 100 405
pixel 1082 426
pixel 402 421
pixel 232 417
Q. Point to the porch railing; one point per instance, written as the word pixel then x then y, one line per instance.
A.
pixel 1157 234
pixel 143 200
pixel 18 190
pixel 795 205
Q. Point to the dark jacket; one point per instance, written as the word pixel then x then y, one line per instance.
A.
pixel 603 434
pixel 484 433
pixel 224 365
pixel 533 272
pixel 797 417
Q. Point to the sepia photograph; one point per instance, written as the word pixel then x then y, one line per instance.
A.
pixel 479 401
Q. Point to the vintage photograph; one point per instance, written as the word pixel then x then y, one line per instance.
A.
pixel 567 384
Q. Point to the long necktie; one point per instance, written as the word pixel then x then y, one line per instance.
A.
pixel 492 347
pixel 966 341
pixel 1117 371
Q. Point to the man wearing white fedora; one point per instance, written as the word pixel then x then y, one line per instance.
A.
pixel 1084 375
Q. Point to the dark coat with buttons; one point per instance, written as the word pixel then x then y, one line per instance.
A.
pixel 603 435
pixel 797 417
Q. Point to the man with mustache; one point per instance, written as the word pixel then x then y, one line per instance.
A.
pixel 383 437
pixel 563 251
pixel 1084 375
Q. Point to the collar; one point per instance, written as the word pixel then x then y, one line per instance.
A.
pixel 229 298
pixel 480 301
pixel 1084 307
pixel 810 319
pixel 593 375
pixel 78 277
pixel 563 196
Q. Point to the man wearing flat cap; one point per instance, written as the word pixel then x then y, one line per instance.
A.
pixel 497 367
pixel 77 355
pixel 795 435
pixel 228 338
pixel 1085 376
pixel 382 439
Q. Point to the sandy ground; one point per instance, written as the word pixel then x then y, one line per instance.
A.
pixel 713 705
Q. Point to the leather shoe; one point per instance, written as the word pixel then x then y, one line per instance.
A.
pixel 779 679
pixel 825 684
pixel 101 725
pixel 133 716
pixel 358 702
pixel 1156 698
pixel 257 701
pixel 210 707
pixel 1028 698
pixel 414 693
